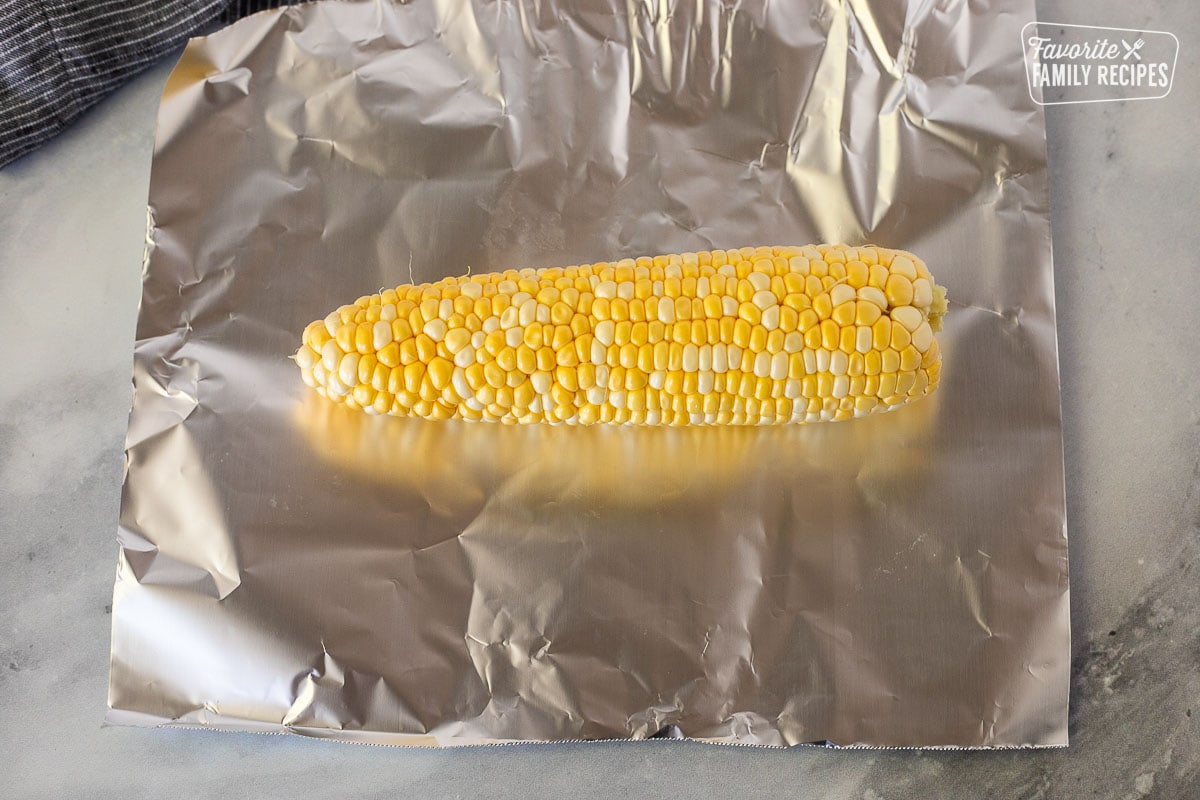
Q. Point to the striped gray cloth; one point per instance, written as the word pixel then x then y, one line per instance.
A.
pixel 60 57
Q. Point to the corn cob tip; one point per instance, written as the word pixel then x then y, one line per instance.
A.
pixel 937 308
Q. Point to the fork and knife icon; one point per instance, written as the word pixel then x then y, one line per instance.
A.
pixel 1131 50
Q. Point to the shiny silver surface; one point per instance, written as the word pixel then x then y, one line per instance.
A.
pixel 892 581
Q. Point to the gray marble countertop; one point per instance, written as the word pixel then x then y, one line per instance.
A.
pixel 1124 189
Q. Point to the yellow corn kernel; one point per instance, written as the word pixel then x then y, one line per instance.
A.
pixel 741 333
pixel 889 360
pixel 426 348
pixel 866 313
pixel 494 374
pixel 822 305
pixel 877 276
pixel 440 371
pixel 526 358
pixel 830 334
pixel 645 358
pixel 847 339
pixel 881 333
pixel 413 373
pixel 899 290
pixel 523 394
pixel 844 314
pixel 758 338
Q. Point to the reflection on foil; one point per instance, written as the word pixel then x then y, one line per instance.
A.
pixel 448 463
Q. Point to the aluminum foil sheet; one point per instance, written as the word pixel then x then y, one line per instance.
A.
pixel 288 565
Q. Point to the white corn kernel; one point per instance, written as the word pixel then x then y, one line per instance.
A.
pixel 762 365
pixel 839 362
pixel 901 265
pixel 908 316
pixel 332 323
pixel 527 312
pixel 762 298
pixel 841 293
pixel 779 366
pixel 599 352
pixel 348 369
pixel 922 337
pixel 873 295
pixel 719 364
pixel 605 332
pixel 691 357
pixel 760 280
pixel 335 386
pixel 922 293
pixel 435 329
pixel 331 355
pixel 381 334
pixel 863 339
pixel 306 357
pixel 458 379
pixel 465 357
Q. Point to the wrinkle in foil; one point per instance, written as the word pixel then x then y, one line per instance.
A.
pixel 287 565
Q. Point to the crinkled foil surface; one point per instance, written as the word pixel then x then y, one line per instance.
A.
pixel 285 565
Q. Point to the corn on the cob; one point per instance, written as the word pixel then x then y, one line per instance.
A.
pixel 742 337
